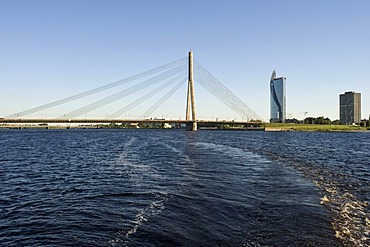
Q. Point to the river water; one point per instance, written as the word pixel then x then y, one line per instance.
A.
pixel 178 188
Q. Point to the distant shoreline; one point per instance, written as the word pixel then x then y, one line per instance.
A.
pixel 314 128
pixel 288 128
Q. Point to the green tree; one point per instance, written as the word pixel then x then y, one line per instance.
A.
pixel 335 122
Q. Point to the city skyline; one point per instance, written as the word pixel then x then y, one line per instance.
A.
pixel 54 50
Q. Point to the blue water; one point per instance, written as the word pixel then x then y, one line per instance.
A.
pixel 178 188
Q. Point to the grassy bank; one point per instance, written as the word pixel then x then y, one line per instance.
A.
pixel 311 127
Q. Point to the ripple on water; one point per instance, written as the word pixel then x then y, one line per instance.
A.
pixel 136 188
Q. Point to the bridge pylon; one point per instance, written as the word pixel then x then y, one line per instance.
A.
pixel 190 102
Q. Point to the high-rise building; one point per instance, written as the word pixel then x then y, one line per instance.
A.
pixel 350 108
pixel 277 99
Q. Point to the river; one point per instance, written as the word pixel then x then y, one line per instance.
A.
pixel 179 188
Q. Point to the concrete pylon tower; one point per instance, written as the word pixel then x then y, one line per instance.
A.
pixel 190 103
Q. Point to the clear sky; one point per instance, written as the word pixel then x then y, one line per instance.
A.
pixel 53 49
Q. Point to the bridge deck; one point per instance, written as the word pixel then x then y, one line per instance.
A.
pixel 117 121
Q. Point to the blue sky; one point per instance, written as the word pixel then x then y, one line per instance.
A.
pixel 53 49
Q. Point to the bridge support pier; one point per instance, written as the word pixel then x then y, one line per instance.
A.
pixel 191 126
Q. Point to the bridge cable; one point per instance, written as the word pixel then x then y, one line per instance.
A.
pixel 181 61
pixel 216 88
pixel 116 96
pixel 163 99
pixel 220 91
pixel 145 97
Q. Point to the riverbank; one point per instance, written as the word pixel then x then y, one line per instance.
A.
pixel 270 127
pixel 311 127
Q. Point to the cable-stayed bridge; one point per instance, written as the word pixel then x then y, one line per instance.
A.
pixel 164 81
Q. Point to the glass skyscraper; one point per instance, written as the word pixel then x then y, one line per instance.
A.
pixel 277 99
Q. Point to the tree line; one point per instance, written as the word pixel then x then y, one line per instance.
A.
pixel 324 121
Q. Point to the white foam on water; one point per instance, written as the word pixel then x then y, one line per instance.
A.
pixel 350 212
pixel 142 216
pixel 233 152
pixel 180 153
pixel 127 162
pixel 351 221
